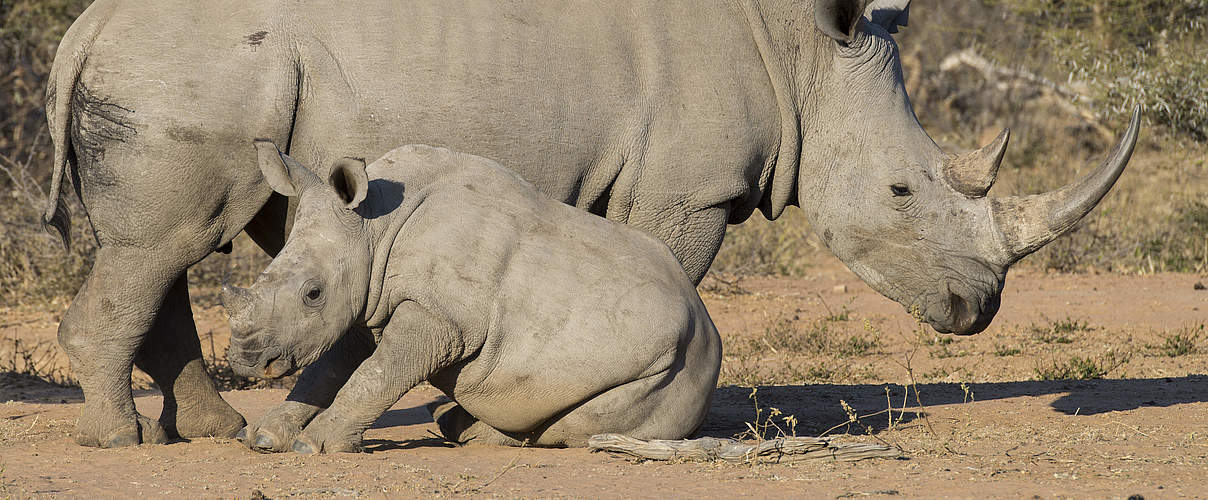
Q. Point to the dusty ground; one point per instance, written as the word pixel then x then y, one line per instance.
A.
pixel 991 425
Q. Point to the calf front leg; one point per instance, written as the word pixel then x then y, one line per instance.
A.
pixel 314 391
pixel 415 345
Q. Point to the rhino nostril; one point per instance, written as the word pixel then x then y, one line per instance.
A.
pixel 964 313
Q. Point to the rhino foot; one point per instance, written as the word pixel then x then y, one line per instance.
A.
pixel 219 421
pixel 276 430
pixel 142 431
pixel 328 434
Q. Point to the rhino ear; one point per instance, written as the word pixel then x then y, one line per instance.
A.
pixel 276 168
pixel 889 14
pixel 350 181
pixel 838 19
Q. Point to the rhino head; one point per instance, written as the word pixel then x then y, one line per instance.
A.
pixel 316 287
pixel 912 221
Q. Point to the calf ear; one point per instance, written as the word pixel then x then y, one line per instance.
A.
pixel 838 19
pixel 276 166
pixel 888 13
pixel 349 180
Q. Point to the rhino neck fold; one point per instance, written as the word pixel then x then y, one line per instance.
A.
pixel 387 217
pixel 779 43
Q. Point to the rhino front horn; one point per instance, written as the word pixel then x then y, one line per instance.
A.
pixel 1029 222
pixel 972 173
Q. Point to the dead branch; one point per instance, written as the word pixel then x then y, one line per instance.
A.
pixel 708 449
pixel 1065 97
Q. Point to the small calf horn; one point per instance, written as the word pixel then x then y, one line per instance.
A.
pixel 236 300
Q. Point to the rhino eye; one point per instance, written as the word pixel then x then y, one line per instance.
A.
pixel 900 190
pixel 312 293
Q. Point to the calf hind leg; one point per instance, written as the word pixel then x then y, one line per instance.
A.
pixel 647 408
pixel 458 426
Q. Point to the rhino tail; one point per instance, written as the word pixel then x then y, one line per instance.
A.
pixel 64 77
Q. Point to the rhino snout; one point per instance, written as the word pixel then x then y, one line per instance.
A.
pixel 963 314
pixel 259 362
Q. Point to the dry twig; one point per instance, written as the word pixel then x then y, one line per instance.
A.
pixel 708 449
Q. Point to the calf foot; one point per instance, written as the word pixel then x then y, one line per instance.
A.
pixel 328 434
pixel 275 431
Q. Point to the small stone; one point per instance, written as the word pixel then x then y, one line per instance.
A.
pixel 1199 286
pixel 839 289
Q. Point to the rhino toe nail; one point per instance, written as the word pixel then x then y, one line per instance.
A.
pixel 300 447
pixel 122 439
pixel 263 441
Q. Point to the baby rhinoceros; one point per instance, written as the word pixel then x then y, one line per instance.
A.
pixel 542 322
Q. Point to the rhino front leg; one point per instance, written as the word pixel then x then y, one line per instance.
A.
pixel 415 345
pixel 314 391
pixel 171 354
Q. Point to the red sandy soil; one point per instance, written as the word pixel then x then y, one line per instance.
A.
pixel 988 425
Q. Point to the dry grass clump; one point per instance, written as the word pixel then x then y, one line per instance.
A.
pixel 1082 367
pixel 795 350
pixel 33 360
pixel 1182 342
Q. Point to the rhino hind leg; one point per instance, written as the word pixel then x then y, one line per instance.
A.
pixel 101 332
pixel 171 354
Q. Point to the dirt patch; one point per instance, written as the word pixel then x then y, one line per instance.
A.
pixel 990 424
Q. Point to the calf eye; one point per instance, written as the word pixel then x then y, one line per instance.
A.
pixel 900 190
pixel 312 293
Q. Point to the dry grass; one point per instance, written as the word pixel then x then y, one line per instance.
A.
pixel 814 350
pixel 37 360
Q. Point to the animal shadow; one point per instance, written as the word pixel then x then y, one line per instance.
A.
pixel 818 409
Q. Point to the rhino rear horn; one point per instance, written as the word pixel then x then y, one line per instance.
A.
pixel 1027 223
pixel 972 173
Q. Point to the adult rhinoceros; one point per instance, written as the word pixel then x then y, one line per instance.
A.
pixel 676 116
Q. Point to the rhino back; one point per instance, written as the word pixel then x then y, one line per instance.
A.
pixel 565 94
pixel 591 102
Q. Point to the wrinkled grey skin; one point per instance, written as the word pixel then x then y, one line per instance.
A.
pixel 545 324
pixel 674 116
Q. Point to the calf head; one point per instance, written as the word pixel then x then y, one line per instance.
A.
pixel 912 221
pixel 316 287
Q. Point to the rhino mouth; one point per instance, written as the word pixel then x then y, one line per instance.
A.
pixel 962 315
pixel 962 308
pixel 269 363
